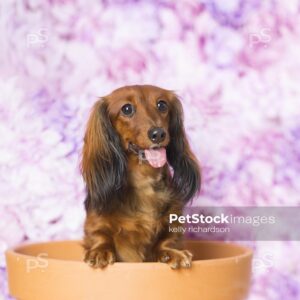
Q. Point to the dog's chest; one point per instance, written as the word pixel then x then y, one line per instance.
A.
pixel 136 237
pixel 139 230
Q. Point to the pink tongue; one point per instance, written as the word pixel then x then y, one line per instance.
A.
pixel 156 157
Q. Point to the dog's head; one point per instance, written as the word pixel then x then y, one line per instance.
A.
pixel 144 120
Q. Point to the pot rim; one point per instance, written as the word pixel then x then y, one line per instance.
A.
pixel 245 254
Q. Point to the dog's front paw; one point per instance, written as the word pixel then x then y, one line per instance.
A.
pixel 99 258
pixel 176 258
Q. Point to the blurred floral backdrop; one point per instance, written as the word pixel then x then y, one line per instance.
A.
pixel 236 65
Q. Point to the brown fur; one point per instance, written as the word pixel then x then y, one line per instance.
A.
pixel 128 201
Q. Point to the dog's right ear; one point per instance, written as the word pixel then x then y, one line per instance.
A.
pixel 103 162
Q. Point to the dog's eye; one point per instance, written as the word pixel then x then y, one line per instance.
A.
pixel 162 106
pixel 127 110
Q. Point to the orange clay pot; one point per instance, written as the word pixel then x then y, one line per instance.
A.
pixel 55 271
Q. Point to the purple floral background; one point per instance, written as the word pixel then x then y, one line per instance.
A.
pixel 236 65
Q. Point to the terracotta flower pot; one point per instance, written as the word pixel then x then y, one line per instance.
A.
pixel 55 271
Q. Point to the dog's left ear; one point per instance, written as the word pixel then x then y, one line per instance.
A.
pixel 186 179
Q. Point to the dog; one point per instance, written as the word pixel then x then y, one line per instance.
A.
pixel 138 168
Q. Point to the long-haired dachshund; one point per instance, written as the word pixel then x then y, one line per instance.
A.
pixel 132 136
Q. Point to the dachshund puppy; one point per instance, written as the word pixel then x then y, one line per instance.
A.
pixel 138 168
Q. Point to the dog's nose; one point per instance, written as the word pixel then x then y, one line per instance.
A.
pixel 156 134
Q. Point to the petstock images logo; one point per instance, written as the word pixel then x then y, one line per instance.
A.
pixel 238 223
